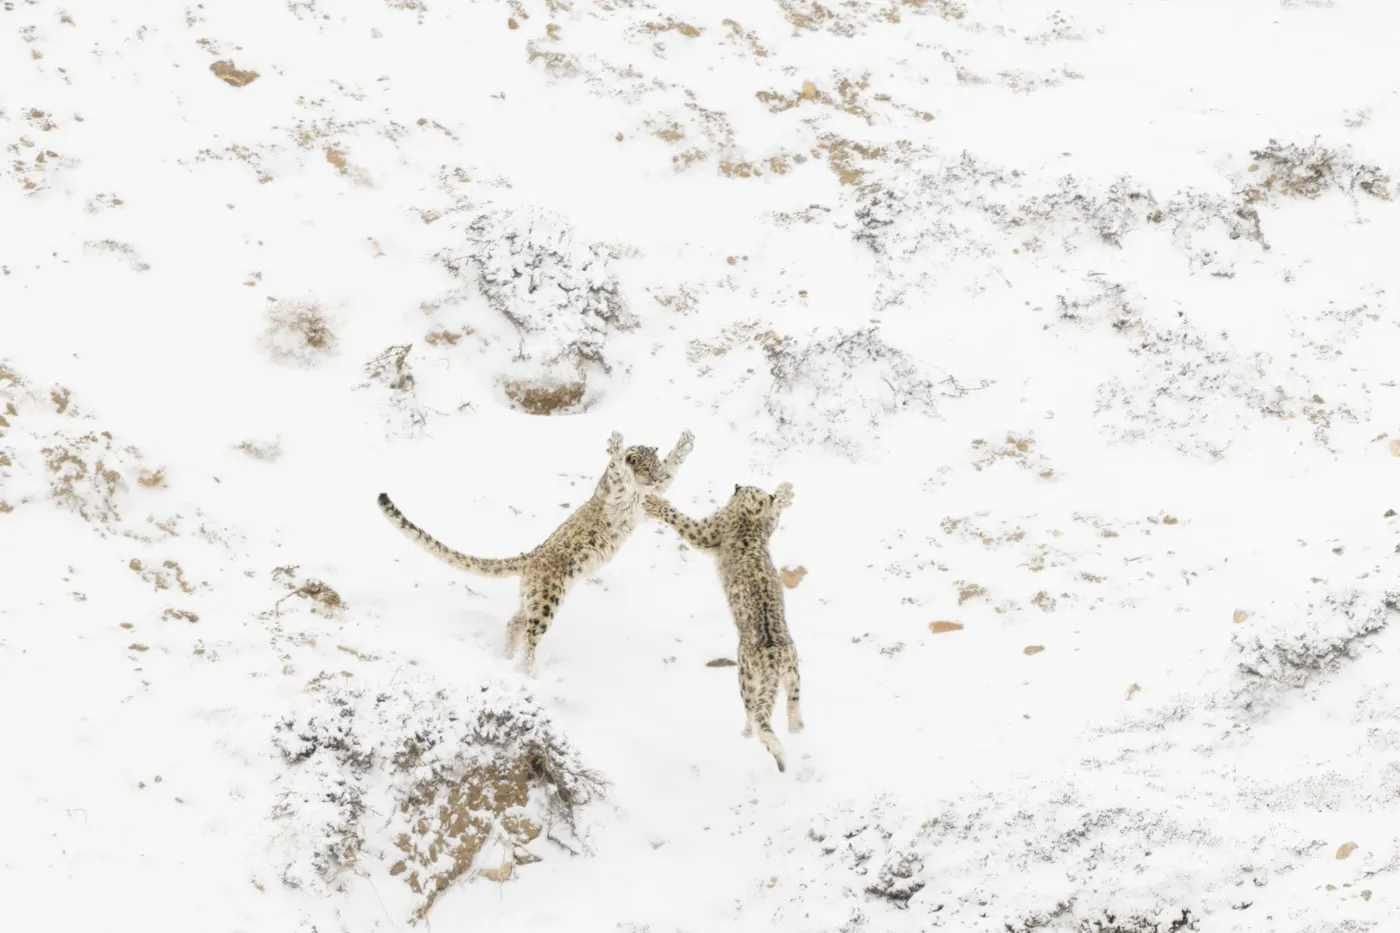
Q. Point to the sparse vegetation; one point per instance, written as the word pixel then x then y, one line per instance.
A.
pixel 463 784
pixel 1295 646
pixel 299 331
pixel 547 399
pixel 837 390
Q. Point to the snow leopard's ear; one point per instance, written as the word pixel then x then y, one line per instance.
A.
pixel 736 488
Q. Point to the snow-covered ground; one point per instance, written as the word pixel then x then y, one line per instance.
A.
pixel 1074 326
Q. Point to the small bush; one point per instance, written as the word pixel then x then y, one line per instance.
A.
pixel 561 295
pixel 299 332
pixel 1312 639
pixel 459 783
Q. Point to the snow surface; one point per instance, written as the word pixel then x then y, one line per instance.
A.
pixel 1073 324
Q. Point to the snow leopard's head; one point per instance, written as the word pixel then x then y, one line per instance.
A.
pixel 644 464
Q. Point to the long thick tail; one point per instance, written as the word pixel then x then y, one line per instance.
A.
pixel 486 566
pixel 763 711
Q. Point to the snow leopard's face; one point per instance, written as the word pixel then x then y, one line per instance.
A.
pixel 644 464
pixel 750 501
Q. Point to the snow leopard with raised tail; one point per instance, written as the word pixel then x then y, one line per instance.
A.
pixel 738 534
pixel 584 542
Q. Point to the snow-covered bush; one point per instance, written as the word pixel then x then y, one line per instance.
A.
pixel 299 331
pixel 1294 646
pixel 561 295
pixel 1044 857
pixel 836 390
pixel 460 783
pixel 1291 170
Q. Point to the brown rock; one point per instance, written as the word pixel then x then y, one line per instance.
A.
pixel 791 576
pixel 1033 649
pixel 809 90
pixel 1346 849
pixel 226 71
pixel 938 628
pixel 1240 616
pixel 721 662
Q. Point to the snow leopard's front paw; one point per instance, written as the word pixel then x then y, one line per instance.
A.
pixel 685 445
pixel 615 444
pixel 783 497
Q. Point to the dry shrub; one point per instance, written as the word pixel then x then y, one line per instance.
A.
pixel 469 781
pixel 836 390
pixel 1293 646
pixel 168 574
pixel 324 600
pixel 1308 171
pixel 83 474
pixel 548 399
pixel 299 331
pixel 268 451
pixel 391 368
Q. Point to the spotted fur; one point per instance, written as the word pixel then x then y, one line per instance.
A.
pixel 738 534
pixel 584 542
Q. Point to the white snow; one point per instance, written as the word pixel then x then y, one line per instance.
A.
pixel 1075 325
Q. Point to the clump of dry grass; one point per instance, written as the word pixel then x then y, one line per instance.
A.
pixel 299 331
pixel 548 399
pixel 391 368
pixel 268 451
pixel 325 601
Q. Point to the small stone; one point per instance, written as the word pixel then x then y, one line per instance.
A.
pixel 1346 849
pixel 1240 616
pixel 721 662
pixel 1032 649
pixel 1389 513
pixel 137 646
pixel 1169 520
pixel 232 76
pixel 791 576
pixel 938 628
pixel 809 90
pixel 1133 688
pixel 1395 447
pixel 512 24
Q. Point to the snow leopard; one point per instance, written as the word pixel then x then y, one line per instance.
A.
pixel 585 541
pixel 738 535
